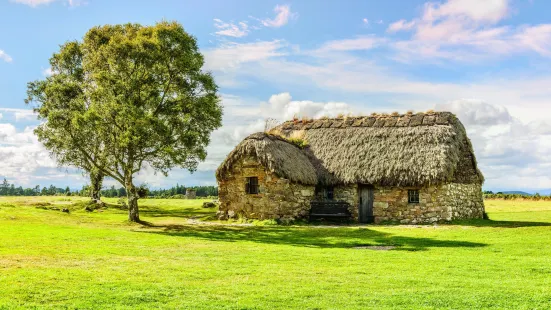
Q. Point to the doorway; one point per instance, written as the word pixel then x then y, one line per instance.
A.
pixel 366 204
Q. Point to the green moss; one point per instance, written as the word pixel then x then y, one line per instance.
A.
pixel 301 143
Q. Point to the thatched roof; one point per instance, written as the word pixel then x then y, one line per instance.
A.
pixel 275 153
pixel 401 150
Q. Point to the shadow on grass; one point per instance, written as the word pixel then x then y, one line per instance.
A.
pixel 307 237
pixel 150 211
pixel 500 224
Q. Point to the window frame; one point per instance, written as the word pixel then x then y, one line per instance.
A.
pixel 413 196
pixel 251 188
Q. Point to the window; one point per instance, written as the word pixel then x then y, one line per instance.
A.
pixel 324 193
pixel 413 196
pixel 329 193
pixel 251 186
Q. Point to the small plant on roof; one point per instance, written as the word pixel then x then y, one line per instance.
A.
pixel 324 117
pixel 340 115
pixel 306 119
pixel 276 132
pixel 409 112
pixel 374 114
pixel 269 124
pixel 384 114
pixel 431 111
pixel 298 142
pixel 395 113
pixel 297 138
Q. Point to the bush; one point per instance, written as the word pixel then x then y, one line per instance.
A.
pixel 499 195
pixel 122 201
pixel 209 204
pixel 143 191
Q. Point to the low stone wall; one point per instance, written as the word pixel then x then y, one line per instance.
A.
pixel 278 198
pixel 436 203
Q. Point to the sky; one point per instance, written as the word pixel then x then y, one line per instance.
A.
pixel 486 61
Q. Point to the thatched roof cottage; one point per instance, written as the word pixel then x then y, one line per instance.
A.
pixel 412 168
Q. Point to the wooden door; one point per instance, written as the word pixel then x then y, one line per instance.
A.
pixel 366 204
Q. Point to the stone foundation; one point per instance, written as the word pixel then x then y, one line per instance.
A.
pixel 278 198
pixel 447 202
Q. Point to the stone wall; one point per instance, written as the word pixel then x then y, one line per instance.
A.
pixel 348 193
pixel 436 203
pixel 278 198
pixel 191 193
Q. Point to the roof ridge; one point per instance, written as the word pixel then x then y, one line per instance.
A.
pixel 401 120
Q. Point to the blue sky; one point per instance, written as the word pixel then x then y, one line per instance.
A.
pixel 486 61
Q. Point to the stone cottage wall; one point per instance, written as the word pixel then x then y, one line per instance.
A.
pixel 191 193
pixel 436 203
pixel 348 193
pixel 278 198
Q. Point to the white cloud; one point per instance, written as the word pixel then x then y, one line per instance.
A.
pixel 21 154
pixel 359 43
pixel 5 57
pixel 36 3
pixel 282 107
pixel 47 72
pixel 400 25
pixel 510 152
pixel 33 3
pixel 20 114
pixel 490 11
pixel 476 112
pixel 365 21
pixel 465 30
pixel 1 115
pixel 283 15
pixel 536 38
pixel 231 55
pixel 238 30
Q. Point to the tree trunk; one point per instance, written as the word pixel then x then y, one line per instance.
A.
pixel 132 195
pixel 96 182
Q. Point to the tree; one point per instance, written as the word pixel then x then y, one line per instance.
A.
pixel 96 182
pixel 4 187
pixel 60 97
pixel 139 92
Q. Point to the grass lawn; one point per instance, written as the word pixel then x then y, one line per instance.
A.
pixel 50 259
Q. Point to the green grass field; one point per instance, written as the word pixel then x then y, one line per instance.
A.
pixel 50 259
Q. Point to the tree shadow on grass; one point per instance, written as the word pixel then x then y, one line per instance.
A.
pixel 307 237
pixel 150 211
pixel 500 224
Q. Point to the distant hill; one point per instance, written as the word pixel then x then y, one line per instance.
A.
pixel 518 193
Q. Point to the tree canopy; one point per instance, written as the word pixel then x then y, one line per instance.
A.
pixel 127 96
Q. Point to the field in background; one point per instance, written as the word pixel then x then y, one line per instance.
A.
pixel 98 260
